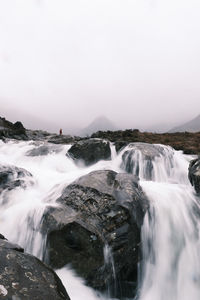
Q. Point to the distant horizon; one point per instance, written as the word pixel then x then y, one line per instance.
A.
pixel 56 127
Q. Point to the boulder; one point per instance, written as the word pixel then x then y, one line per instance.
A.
pixel 90 151
pixel 101 211
pixel 140 156
pixel 12 177
pixel 23 276
pixel 194 174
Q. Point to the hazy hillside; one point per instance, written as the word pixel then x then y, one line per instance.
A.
pixel 101 123
pixel 191 126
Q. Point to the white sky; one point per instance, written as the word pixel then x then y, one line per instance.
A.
pixel 69 61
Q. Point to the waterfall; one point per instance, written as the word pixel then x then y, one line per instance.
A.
pixel 170 268
pixel 110 265
pixel 170 265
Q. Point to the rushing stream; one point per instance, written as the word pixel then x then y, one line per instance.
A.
pixel 170 269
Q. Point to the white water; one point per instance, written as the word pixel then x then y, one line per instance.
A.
pixel 170 234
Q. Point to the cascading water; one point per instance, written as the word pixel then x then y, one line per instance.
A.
pixel 171 231
pixel 170 268
pixel 22 209
pixel 110 265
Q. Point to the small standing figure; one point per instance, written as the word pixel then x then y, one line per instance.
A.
pixel 60 131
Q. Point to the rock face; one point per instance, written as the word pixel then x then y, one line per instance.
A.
pixel 12 177
pixel 23 276
pixel 194 174
pixel 98 224
pixel 10 130
pixel 90 151
pixel 139 157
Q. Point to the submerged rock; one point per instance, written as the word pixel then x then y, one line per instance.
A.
pixel 99 211
pixel 44 150
pixel 12 177
pixel 90 151
pixel 23 276
pixel 194 174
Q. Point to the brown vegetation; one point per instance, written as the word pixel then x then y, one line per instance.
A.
pixel 187 141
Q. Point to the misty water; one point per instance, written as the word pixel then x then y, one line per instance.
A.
pixel 170 268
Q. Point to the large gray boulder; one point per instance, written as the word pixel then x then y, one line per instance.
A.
pixel 194 174
pixel 90 151
pixel 98 221
pixel 24 277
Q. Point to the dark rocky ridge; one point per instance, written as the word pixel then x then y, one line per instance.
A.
pixel 10 130
pixel 25 277
pixel 100 208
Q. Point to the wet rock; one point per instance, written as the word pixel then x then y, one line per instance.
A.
pixel 90 151
pixel 120 145
pixel 2 237
pixel 140 154
pixel 23 276
pixel 99 209
pixel 194 174
pixel 12 177
pixel 7 245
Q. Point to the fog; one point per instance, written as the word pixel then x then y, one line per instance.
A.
pixel 65 62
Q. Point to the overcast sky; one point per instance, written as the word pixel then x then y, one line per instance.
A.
pixel 68 61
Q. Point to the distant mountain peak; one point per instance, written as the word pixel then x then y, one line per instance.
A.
pixel 191 126
pixel 100 123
